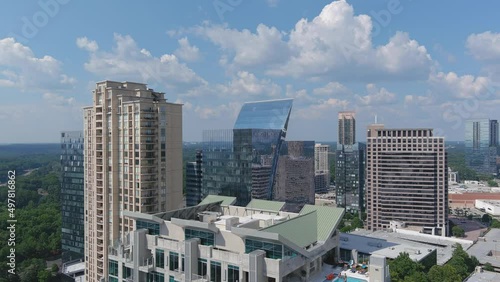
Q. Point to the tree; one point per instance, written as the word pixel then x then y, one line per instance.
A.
pixel 495 223
pixel 486 218
pixel 416 277
pixel 488 267
pixel 403 266
pixel 446 273
pixel 492 183
pixel 357 223
pixel 458 231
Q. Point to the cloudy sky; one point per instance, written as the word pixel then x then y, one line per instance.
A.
pixel 410 63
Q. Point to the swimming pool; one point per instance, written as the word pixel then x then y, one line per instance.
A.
pixel 349 279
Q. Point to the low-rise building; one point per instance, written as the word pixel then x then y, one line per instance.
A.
pixel 489 206
pixel 216 241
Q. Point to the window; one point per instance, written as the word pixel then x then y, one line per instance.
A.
pixel 233 273
pixel 153 228
pixel 155 277
pixel 127 272
pixel 113 268
pixel 215 271
pixel 160 258
pixel 207 238
pixel 173 261
pixel 202 267
pixel 273 251
pixel 113 279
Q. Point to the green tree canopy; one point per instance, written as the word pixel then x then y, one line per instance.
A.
pixel 404 266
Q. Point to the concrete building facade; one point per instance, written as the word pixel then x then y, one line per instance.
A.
pixel 347 128
pixel 407 179
pixel 216 241
pixel 132 162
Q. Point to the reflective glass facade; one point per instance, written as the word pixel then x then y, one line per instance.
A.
pixel 481 145
pixel 72 199
pixel 231 157
pixel 350 176
pixel 194 180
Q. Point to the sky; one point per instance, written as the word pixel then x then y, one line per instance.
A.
pixel 424 64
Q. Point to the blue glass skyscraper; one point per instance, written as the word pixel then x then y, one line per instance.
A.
pixel 481 145
pixel 72 198
pixel 232 158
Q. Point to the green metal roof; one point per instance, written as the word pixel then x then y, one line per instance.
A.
pixel 265 205
pixel 328 219
pixel 300 230
pixel 226 201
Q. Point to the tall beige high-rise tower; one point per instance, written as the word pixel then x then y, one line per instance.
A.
pixel 347 128
pixel 407 180
pixel 133 161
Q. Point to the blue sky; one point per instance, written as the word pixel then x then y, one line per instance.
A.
pixel 411 63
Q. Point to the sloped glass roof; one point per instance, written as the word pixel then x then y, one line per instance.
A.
pixel 272 114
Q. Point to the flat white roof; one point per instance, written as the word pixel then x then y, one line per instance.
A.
pixel 74 268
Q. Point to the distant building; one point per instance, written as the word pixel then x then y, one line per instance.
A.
pixel 217 241
pixel 349 166
pixel 407 179
pixel 194 178
pixel 347 128
pixel 294 183
pixel 321 168
pixel 232 156
pixel 489 206
pixel 452 176
pixel 350 177
pixel 72 199
pixel 481 145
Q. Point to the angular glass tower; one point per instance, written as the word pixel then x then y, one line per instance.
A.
pixel 481 145
pixel 232 158
pixel 72 199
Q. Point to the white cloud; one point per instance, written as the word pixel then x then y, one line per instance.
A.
pixel 23 70
pixel 186 51
pixel 243 85
pixel 464 87
pixel 245 48
pixel 128 61
pixel 335 43
pixel 67 80
pixel 272 3
pixel 484 46
pixel 228 111
pixel 86 44
pixel 58 100
pixel 332 88
pixel 322 108
pixel 246 84
pixel 376 96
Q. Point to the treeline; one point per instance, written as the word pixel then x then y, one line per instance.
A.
pixel 456 161
pixel 404 269
pixel 23 163
pixel 38 226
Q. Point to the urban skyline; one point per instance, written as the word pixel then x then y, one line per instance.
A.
pixel 436 79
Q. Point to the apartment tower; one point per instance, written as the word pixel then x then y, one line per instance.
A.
pixel 133 162
pixel 407 180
